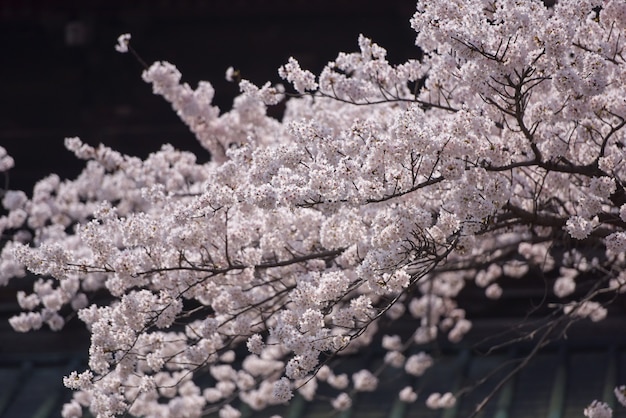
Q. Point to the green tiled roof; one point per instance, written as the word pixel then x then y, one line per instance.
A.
pixel 557 383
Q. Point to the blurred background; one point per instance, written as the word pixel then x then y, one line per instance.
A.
pixel 60 75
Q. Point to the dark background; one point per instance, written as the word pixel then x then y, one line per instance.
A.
pixel 61 76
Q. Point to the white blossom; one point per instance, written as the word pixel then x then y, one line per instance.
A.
pixel 437 400
pixel 338 381
pixel 82 380
pixel 586 309
pixel 620 394
pixel 6 161
pixel 282 390
pixel 364 381
pixel 394 358
pixel 229 412
pixel 72 410
pixel 565 284
pixel 408 395
pixel 342 402
pixel 417 364
pixel 13 199
pixel 122 43
pixel 579 227
pixel 302 80
pixel 230 74
pixel 598 410
pixel 392 342
pixel 493 291
pixel 25 322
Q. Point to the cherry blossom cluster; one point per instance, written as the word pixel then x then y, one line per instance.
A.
pixel 598 409
pixel 382 193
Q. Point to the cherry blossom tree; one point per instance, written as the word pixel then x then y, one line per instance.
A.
pixel 381 192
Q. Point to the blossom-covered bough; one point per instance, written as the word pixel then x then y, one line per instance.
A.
pixel 381 192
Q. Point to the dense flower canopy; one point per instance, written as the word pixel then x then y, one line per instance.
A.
pixel 380 193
